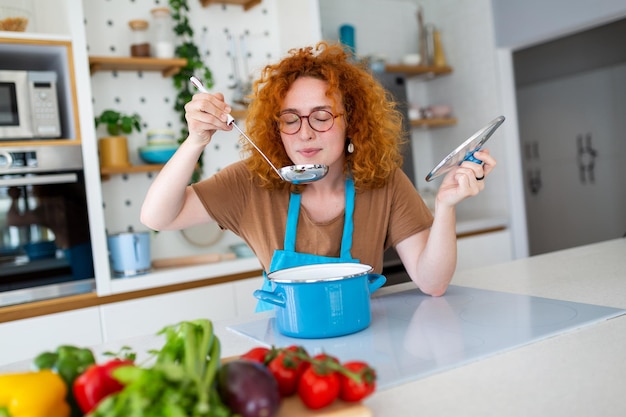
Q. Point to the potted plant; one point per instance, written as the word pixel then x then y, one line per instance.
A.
pixel 113 149
pixel 118 123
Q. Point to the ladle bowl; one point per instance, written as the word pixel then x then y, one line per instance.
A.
pixel 295 174
pixel 301 174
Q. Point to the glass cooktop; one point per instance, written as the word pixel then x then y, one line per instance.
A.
pixel 413 335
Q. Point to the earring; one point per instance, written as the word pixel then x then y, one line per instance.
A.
pixel 350 147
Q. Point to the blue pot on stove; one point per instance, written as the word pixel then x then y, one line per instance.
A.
pixel 324 300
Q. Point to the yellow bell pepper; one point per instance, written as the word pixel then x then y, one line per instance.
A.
pixel 33 394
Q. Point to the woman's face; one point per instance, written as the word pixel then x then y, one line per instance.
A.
pixel 308 146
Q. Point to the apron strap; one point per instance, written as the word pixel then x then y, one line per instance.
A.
pixel 348 222
pixel 292 222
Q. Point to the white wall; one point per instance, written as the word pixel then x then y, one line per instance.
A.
pixel 389 28
pixel 523 23
pixel 269 31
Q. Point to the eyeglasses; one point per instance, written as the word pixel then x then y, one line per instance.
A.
pixel 320 120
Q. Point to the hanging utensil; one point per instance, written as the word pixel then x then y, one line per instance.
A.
pixel 246 86
pixel 295 174
pixel 238 93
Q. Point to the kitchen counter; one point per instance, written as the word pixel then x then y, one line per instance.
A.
pixel 576 373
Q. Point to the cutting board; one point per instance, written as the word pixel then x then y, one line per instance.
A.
pixel 293 407
pixel 206 258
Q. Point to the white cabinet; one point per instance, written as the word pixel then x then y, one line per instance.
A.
pixel 148 315
pixel 24 339
pixel 571 133
pixel 244 300
pixel 484 249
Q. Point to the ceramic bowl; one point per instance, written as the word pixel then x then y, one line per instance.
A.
pixel 440 111
pixel 40 250
pixel 157 154
pixel 161 137
pixel 411 59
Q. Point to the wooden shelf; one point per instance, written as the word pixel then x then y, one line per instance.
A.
pixel 411 70
pixel 168 67
pixel 432 123
pixel 106 172
pixel 40 142
pixel 247 4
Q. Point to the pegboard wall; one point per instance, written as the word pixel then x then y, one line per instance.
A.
pixel 233 43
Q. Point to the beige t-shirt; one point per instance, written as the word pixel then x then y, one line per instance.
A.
pixel 382 217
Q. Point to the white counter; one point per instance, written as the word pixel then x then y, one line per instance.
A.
pixel 579 373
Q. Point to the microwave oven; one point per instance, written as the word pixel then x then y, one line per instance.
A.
pixel 29 107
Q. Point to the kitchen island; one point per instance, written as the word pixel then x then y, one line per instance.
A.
pixel 579 372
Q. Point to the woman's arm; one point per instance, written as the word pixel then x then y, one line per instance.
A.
pixel 170 203
pixel 430 256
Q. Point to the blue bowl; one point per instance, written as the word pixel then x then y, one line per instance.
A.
pixel 157 154
pixel 40 250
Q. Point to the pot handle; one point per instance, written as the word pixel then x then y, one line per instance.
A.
pixel 270 297
pixel 375 281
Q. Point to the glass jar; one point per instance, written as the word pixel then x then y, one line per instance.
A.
pixel 163 33
pixel 139 45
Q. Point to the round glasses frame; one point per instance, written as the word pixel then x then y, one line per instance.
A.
pixel 287 126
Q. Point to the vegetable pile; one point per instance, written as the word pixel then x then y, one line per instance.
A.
pixel 185 378
pixel 319 380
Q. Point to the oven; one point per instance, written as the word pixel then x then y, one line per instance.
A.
pixel 45 251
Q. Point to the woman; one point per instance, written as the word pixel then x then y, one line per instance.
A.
pixel 316 106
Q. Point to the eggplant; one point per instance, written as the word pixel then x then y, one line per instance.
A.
pixel 248 389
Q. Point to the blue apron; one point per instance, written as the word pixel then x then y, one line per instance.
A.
pixel 289 258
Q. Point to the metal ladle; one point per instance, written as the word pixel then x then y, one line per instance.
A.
pixel 295 174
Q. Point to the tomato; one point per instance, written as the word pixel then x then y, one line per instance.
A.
pixel 325 357
pixel 287 369
pixel 318 387
pixel 258 354
pixel 351 390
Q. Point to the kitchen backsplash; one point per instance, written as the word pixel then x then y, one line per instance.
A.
pixel 221 32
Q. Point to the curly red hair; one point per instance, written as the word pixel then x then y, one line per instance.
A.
pixel 374 124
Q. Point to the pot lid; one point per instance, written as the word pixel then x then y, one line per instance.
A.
pixel 320 272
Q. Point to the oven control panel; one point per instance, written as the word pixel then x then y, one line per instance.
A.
pixel 38 159
pixel 17 160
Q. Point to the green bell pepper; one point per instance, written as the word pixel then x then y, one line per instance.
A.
pixel 69 362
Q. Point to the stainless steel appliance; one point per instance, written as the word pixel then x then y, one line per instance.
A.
pixel 395 84
pixel 45 249
pixel 29 107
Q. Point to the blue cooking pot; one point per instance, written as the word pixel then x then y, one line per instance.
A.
pixel 324 300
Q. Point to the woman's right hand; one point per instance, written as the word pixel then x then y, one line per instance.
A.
pixel 205 114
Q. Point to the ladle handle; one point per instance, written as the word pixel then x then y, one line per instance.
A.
pixel 231 121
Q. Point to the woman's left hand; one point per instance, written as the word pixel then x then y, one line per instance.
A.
pixel 466 180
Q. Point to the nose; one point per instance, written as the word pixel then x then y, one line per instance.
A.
pixel 306 132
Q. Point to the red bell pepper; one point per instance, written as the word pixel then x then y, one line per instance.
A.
pixel 96 383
